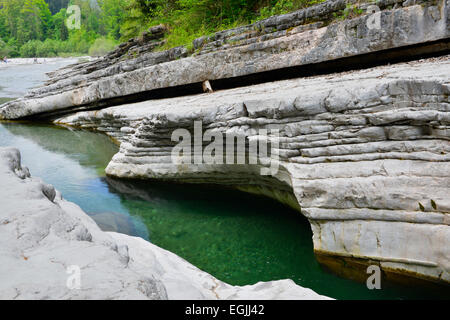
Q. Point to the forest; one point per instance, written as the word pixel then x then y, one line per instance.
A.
pixel 38 28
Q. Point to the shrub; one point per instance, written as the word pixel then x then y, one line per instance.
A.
pixel 48 48
pixel 5 49
pixel 28 50
pixel 102 46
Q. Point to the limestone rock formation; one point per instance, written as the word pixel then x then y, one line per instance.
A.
pixel 309 36
pixel 45 239
pixel 364 155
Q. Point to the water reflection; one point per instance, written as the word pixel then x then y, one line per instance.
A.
pixel 74 162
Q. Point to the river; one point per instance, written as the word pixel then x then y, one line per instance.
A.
pixel 239 238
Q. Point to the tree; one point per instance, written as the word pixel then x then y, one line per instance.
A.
pixel 58 27
pixel 139 16
pixel 55 6
pixel 111 18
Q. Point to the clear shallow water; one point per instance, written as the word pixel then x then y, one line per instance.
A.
pixel 74 162
pixel 239 238
pixel 17 79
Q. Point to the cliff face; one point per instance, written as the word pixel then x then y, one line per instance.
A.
pixel 363 154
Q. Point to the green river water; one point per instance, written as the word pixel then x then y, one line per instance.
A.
pixel 237 237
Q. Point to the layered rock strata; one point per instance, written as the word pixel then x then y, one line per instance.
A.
pixel 364 156
pixel 309 36
pixel 47 242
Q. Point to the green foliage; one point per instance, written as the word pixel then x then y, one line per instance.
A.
pixel 37 27
pixel 58 26
pixel 112 17
pixel 351 11
pixel 139 16
pixel 284 6
pixel 5 50
pixel 29 29
pixel 47 48
pixel 102 46
pixel 190 19
pixel 56 5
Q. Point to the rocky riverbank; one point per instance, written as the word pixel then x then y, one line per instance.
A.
pixel 45 237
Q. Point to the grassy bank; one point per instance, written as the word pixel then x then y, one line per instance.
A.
pixel 191 19
pixel 38 28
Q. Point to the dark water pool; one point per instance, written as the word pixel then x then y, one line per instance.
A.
pixel 239 238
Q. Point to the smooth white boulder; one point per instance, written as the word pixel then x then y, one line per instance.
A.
pixel 43 237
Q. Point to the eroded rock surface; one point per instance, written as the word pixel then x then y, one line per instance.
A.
pixel 309 36
pixel 44 236
pixel 364 155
